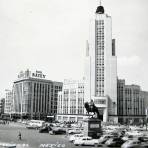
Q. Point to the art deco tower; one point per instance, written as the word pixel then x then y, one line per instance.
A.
pixel 101 66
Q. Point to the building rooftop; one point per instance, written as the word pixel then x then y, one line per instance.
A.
pixel 100 10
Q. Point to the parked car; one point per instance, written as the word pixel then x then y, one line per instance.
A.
pixel 74 131
pixel 134 133
pixel 131 143
pixel 45 129
pixel 116 142
pixel 86 141
pixel 35 124
pixel 104 138
pixel 115 133
pixel 74 137
pixel 32 127
pixel 57 130
pixel 2 122
pixel 144 145
pixel 143 139
pixel 128 137
pixel 7 145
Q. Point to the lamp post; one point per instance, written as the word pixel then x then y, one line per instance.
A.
pixel 146 123
pixel 21 110
pixel 146 113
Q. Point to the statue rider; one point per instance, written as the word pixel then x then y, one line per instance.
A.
pixel 91 103
pixel 90 107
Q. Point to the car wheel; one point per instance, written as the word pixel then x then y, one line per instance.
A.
pixel 51 132
pixel 95 145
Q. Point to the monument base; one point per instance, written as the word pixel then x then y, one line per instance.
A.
pixel 92 127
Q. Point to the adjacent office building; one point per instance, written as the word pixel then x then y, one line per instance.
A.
pixel 145 96
pixel 71 101
pixel 8 109
pixel 132 103
pixel 101 66
pixel 34 96
pixel 2 105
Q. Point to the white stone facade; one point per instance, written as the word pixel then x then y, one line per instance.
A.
pixel 101 65
pixel 71 101
pixel 8 102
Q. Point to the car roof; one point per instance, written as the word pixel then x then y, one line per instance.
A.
pixel 107 135
pixel 78 134
pixel 87 137
pixel 133 140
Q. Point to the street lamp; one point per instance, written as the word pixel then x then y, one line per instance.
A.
pixel 146 112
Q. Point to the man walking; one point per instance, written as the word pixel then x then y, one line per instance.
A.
pixel 20 136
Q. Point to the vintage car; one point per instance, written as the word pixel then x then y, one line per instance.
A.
pixel 86 141
pixel 45 129
pixel 114 142
pixel 131 143
pixel 57 130
pixel 74 137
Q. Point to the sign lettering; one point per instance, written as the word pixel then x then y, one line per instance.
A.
pixel 38 75
pixel 94 126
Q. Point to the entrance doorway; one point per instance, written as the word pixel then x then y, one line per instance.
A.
pixel 101 114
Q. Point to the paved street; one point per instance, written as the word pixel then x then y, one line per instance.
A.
pixel 32 138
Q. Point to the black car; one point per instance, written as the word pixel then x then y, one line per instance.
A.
pixel 114 142
pixel 45 129
pixel 143 139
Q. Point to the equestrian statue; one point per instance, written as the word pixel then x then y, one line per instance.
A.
pixel 90 107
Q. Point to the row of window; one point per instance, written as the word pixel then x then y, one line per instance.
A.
pixel 100 22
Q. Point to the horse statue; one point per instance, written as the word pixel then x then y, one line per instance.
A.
pixel 90 107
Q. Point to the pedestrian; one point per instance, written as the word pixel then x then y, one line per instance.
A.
pixel 20 136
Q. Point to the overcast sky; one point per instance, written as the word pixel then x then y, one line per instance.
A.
pixel 50 35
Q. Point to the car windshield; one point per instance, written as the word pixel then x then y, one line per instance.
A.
pixel 116 139
pixel 132 142
pixel 77 135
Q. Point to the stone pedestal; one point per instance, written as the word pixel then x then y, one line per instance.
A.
pixel 92 127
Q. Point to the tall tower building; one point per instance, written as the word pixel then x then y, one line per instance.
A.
pixel 101 66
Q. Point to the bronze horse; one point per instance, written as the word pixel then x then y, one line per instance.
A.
pixel 91 108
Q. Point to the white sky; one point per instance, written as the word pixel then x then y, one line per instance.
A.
pixel 50 35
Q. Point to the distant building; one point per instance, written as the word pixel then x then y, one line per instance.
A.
pixel 8 102
pixel 2 105
pixel 131 103
pixel 144 94
pixel 34 96
pixel 71 101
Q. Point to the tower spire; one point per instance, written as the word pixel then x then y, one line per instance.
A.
pixel 100 8
pixel 100 2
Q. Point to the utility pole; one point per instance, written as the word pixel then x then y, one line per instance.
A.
pixel 100 2
pixel 146 124
pixel 146 112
